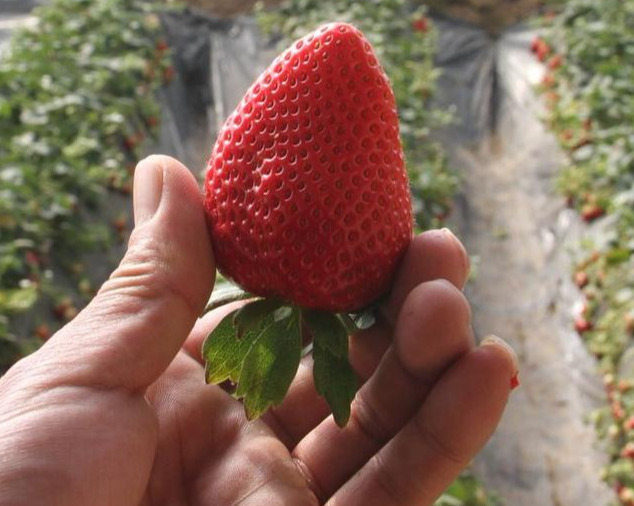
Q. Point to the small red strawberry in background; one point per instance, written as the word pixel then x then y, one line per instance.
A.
pixel 540 48
pixel 43 332
pixel 628 451
pixel 535 43
pixel 421 25
pixel 618 412
pixel 308 206
pixel 32 259
pixel 65 309
pixel 624 386
pixel 591 212
pixel 161 45
pixel 130 142
pixel 581 278
pixel 582 324
pixel 555 62
pixel 152 121
pixel 168 74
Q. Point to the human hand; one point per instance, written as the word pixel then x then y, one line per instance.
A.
pixel 113 409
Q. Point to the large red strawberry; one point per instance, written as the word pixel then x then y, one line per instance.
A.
pixel 307 195
pixel 308 205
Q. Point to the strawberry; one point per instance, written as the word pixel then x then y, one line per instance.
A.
pixel 308 206
pixel 591 212
pixel 168 74
pixel 161 45
pixel 32 259
pixel 43 332
pixel 120 223
pixel 307 196
pixel 152 121
pixel 540 48
pixel 421 25
pixel 617 410
pixel 582 325
pixel 535 45
pixel 581 279
pixel 555 62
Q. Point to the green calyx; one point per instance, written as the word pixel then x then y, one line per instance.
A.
pixel 258 347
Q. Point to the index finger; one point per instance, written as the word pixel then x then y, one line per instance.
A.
pixel 435 254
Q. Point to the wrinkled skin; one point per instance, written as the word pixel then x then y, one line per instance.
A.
pixel 113 410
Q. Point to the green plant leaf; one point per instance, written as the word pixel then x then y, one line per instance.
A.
pixel 250 316
pixel 18 299
pixel 334 378
pixel 270 365
pixel 329 331
pixel 335 381
pixel 224 353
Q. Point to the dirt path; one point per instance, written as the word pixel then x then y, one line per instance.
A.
pixel 516 225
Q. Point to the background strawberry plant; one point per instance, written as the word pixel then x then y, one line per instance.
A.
pixel 589 54
pixel 405 40
pixel 76 100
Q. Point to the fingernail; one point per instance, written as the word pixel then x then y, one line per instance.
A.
pixel 148 189
pixel 466 261
pixel 492 340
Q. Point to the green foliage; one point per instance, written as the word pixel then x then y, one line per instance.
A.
pixel 76 99
pixel 257 348
pixel 404 40
pixel 335 380
pixel 466 491
pixel 591 110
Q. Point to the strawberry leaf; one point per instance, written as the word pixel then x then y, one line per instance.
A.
pixel 224 353
pixel 335 381
pixel 329 331
pixel 250 316
pixel 334 378
pixel 270 365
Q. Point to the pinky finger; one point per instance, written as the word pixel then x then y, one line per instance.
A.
pixel 456 420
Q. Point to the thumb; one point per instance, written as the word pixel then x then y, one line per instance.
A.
pixel 133 328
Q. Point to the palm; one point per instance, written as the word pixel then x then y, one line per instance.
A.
pixel 208 453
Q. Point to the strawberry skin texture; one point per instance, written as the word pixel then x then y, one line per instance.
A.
pixel 307 196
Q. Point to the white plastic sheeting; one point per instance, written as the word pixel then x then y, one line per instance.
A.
pixel 517 227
